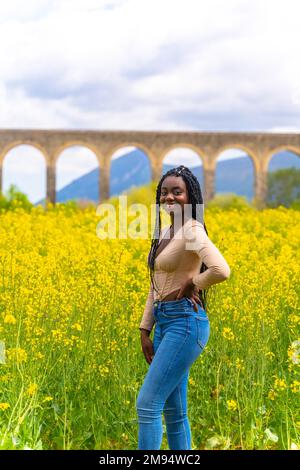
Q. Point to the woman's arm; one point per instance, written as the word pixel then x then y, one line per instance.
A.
pixel 148 317
pixel 218 269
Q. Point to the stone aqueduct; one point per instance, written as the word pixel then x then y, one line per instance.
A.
pixel 260 147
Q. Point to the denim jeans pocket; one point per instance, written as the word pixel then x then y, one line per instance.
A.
pixel 178 313
pixel 203 331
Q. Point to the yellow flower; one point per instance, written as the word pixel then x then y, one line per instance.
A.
pixel 39 355
pixel 6 378
pixel 228 334
pixel 240 364
pixel 270 354
pixel 280 384
pixel 77 326
pixel 114 345
pixel 4 406
pixel 56 334
pixel 294 319
pixel 32 389
pixel 10 319
pixel 272 395
pixel 19 354
pixel 47 399
pixel 103 370
pixel 295 386
pixel 68 321
pixel 232 405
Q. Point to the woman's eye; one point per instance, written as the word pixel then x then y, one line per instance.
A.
pixel 176 192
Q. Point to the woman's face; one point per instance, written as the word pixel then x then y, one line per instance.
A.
pixel 173 194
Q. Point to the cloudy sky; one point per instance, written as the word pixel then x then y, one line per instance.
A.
pixel 145 65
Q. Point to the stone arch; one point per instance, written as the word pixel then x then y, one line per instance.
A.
pixel 146 150
pixel 141 164
pixel 77 143
pixel 198 172
pixel 280 148
pixel 200 153
pixel 87 191
pixel 35 178
pixel 260 146
pixel 274 161
pixel 131 143
pixel 239 146
pixel 233 172
pixel 18 143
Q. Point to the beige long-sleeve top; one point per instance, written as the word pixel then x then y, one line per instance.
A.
pixel 180 260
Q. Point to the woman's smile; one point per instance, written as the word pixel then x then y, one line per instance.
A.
pixel 171 207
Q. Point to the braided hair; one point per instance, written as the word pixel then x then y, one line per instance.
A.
pixel 195 197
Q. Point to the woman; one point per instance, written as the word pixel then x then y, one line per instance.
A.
pixel 176 303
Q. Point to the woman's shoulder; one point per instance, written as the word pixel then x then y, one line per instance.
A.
pixel 194 223
pixel 194 229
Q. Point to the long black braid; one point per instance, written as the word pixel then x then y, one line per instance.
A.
pixel 195 197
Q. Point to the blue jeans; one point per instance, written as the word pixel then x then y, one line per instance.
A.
pixel 180 336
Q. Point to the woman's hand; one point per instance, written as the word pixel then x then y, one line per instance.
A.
pixel 190 290
pixel 147 346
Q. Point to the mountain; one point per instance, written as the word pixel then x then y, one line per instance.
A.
pixel 133 169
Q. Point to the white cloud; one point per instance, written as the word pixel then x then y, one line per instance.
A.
pixel 135 64
pixel 119 153
pixel 231 153
pixel 183 156
pixel 90 64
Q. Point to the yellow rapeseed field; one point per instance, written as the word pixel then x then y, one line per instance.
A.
pixel 71 362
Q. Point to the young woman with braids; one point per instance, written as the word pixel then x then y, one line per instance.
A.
pixel 177 305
